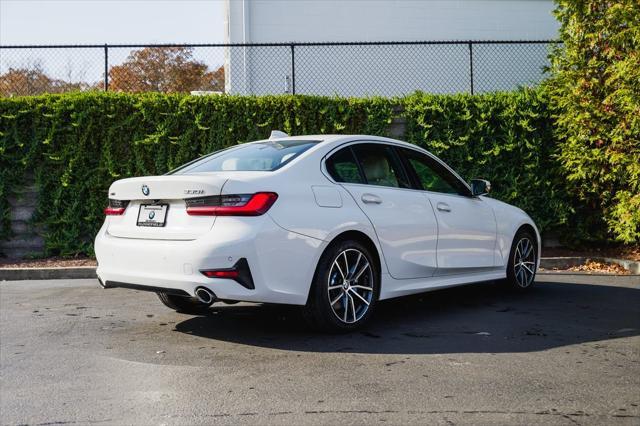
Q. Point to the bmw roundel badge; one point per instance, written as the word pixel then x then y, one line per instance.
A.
pixel 145 189
pixel 152 214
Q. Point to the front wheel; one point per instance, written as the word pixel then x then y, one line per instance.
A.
pixel 345 288
pixel 521 269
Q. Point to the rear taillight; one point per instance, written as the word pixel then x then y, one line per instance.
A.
pixel 116 207
pixel 232 205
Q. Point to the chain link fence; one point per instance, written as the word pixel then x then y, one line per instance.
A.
pixel 344 69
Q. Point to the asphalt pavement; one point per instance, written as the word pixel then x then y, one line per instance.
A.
pixel 567 352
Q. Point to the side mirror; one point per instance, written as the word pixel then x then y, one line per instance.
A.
pixel 480 187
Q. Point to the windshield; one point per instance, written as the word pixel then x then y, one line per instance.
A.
pixel 262 156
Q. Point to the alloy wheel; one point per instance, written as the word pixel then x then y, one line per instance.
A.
pixel 524 262
pixel 350 286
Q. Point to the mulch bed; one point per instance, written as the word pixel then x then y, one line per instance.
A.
pixel 52 262
pixel 593 267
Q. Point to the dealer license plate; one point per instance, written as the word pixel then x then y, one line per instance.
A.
pixel 152 215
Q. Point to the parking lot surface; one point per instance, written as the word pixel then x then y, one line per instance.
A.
pixel 568 352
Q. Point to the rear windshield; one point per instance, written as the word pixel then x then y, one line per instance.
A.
pixel 262 156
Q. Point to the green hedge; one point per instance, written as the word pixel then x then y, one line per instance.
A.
pixel 594 86
pixel 507 138
pixel 75 145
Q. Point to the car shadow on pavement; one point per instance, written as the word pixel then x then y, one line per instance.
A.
pixel 472 319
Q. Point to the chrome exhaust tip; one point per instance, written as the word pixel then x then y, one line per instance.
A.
pixel 205 295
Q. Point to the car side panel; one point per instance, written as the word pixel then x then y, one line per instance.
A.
pixel 297 208
pixel 406 226
pixel 298 212
pixel 466 234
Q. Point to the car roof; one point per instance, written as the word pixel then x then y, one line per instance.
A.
pixel 337 139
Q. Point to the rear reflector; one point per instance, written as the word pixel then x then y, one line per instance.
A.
pixel 232 205
pixel 221 274
pixel 116 207
pixel 240 273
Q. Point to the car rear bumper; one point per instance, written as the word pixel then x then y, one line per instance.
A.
pixel 116 284
pixel 281 263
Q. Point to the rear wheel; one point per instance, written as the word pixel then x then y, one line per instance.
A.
pixel 345 288
pixel 184 304
pixel 521 270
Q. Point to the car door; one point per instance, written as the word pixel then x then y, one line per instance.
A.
pixel 466 224
pixel 404 223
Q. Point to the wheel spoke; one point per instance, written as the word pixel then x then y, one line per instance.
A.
pixel 337 299
pixel 346 306
pixel 527 268
pixel 361 298
pixel 346 263
pixel 363 287
pixel 344 277
pixel 359 274
pixel 529 250
pixel 355 267
pixel 519 275
pixel 353 308
pixel 333 287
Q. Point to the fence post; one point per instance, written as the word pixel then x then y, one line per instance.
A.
pixel 293 69
pixel 471 65
pixel 106 67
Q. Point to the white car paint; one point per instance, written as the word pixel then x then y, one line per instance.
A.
pixel 466 233
pixel 420 247
pixel 405 226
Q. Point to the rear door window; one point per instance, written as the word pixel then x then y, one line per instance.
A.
pixel 342 167
pixel 380 165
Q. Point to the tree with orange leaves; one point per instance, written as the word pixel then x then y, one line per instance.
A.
pixel 164 69
pixel 34 81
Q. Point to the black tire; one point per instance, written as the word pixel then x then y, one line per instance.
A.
pixel 523 258
pixel 183 304
pixel 355 291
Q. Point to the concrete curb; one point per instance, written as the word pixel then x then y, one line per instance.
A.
pixel 18 274
pixel 567 262
pixel 548 263
pixel 591 274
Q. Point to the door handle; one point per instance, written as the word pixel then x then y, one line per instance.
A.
pixel 443 207
pixel 371 199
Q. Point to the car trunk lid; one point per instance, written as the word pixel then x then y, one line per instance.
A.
pixel 153 198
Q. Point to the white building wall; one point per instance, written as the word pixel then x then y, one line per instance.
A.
pixel 385 70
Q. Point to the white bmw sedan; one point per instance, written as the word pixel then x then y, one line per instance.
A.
pixel 331 223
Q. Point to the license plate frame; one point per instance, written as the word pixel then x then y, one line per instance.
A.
pixel 152 215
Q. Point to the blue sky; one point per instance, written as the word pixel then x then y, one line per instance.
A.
pixel 104 21
pixel 111 21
